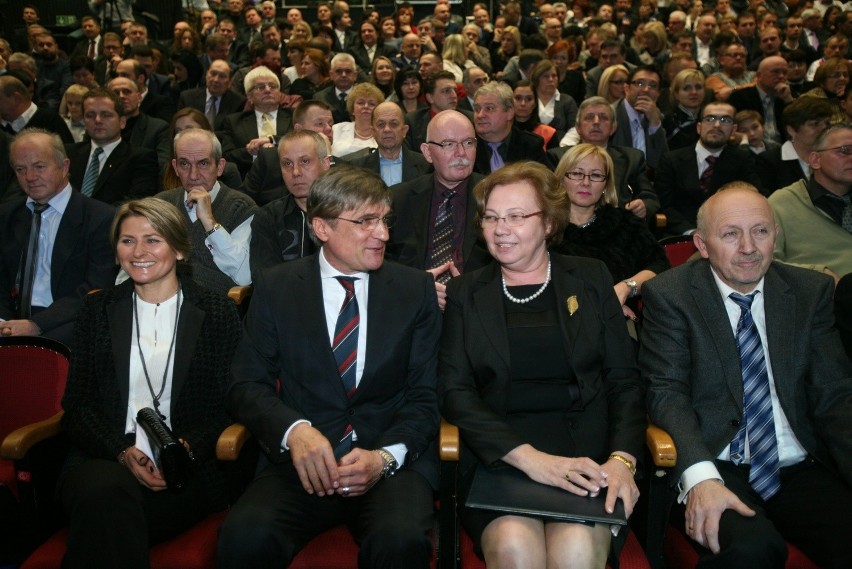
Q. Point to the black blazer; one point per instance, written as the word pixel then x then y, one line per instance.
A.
pixel 52 122
pixel 241 128
pixel 474 367
pixel 775 173
pixel 412 202
pixel 748 99
pixel 158 106
pixel 197 99
pixel 338 108
pixel 287 342
pixel 362 60
pixel 82 259
pixel 95 400
pixel 417 122
pixel 677 181
pixel 153 134
pixel 655 144
pixel 129 173
pixel 263 182
pixel 521 145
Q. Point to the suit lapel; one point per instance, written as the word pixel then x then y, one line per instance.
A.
pixel 118 154
pixel 565 286
pixel 120 318
pixel 471 232
pixel 189 330
pixel 66 238
pixel 712 308
pixel 780 312
pixel 317 327
pixel 488 302
pixel 380 315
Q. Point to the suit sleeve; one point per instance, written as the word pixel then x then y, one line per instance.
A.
pixel 164 147
pixel 232 148
pixel 642 187
pixel 144 181
pixel 264 249
pixel 665 182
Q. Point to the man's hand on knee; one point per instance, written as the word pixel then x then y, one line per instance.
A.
pixel 313 458
pixel 704 507
pixel 359 471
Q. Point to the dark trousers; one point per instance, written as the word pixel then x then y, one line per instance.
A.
pixel 275 518
pixel 114 519
pixel 811 511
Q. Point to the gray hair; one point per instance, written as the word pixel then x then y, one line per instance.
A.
pixel 498 88
pixel 56 143
pixel 260 72
pixel 201 133
pixel 345 188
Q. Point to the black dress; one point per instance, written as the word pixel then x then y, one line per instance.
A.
pixel 618 238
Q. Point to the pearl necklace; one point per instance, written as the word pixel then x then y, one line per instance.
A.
pixel 535 295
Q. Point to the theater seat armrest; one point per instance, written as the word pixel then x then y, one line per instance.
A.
pixel 661 446
pixel 231 442
pixel 18 443
pixel 449 443
pixel 239 293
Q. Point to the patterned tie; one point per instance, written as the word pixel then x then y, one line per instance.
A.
pixel 90 180
pixel 770 128
pixel 30 262
pixel 345 348
pixel 210 112
pixel 267 129
pixel 442 236
pixel 758 423
pixel 638 135
pixel 91 54
pixel 707 175
pixel 496 159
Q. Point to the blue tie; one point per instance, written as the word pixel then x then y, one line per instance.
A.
pixel 758 423
pixel 90 180
pixel 345 348
pixel 496 161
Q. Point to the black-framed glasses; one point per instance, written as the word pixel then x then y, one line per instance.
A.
pixel 512 220
pixel 641 84
pixel 371 223
pixel 453 145
pixel 845 150
pixel 712 119
pixel 580 176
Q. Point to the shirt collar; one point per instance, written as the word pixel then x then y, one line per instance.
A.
pixel 327 271
pixel 214 191
pixel 702 153
pixel 726 290
pixel 58 202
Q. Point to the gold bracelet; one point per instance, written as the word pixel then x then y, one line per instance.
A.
pixel 630 466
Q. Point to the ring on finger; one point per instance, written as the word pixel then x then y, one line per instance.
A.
pixel 568 476
pixel 345 490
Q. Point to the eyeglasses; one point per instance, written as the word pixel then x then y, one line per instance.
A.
pixel 739 54
pixel 580 176
pixel 641 83
pixel 512 220
pixel 264 87
pixel 371 223
pixel 845 150
pixel 712 119
pixel 452 145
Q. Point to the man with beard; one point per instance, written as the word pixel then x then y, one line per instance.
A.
pixel 688 176
pixel 415 240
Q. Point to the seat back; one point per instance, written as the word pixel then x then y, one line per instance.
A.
pixel 678 249
pixel 33 372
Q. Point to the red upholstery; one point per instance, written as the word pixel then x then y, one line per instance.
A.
pixel 193 549
pixel 632 556
pixel 7 476
pixel 679 552
pixel 334 549
pixel 678 249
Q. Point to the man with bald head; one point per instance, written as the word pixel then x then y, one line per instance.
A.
pixel 422 205
pixel 409 53
pixel 216 100
pixel 218 217
pixel 141 130
pixel 391 160
pixel 747 373
pixel 769 95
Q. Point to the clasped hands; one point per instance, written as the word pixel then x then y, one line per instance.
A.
pixel 321 474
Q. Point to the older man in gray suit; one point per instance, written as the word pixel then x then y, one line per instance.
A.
pixel 747 373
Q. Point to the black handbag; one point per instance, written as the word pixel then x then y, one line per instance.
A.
pixel 170 456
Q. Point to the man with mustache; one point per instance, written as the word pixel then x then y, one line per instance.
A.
pixel 435 212
pixel 595 125
pixel 747 373
pixel 687 176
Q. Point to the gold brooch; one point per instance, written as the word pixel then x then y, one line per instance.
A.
pixel 573 305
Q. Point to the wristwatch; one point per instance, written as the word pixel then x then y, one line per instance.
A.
pixel 216 227
pixel 634 287
pixel 391 465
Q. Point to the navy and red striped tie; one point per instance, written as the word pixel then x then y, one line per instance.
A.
pixel 345 348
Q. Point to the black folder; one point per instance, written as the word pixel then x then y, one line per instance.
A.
pixel 507 489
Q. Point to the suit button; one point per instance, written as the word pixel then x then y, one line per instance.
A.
pixel 735 423
pixel 351 412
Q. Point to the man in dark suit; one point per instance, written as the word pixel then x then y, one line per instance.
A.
pixel 499 142
pixel 263 182
pixel 595 124
pixel 216 99
pixel 279 231
pixel 748 375
pixel 768 96
pixel 73 235
pixel 416 203
pixel 391 160
pixel 244 134
pixel 683 185
pixel 92 44
pixel 409 53
pixel 345 38
pixel 119 172
pixel 369 48
pixel 343 75
pixel 843 311
pixel 638 118
pixel 153 105
pixel 18 111
pixel 612 53
pixel 439 88
pixel 349 436
pixel 141 130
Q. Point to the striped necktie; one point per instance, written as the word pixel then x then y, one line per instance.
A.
pixel 90 180
pixel 345 348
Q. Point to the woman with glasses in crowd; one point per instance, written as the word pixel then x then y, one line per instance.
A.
pixel 600 229
pixel 613 83
pixel 538 372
